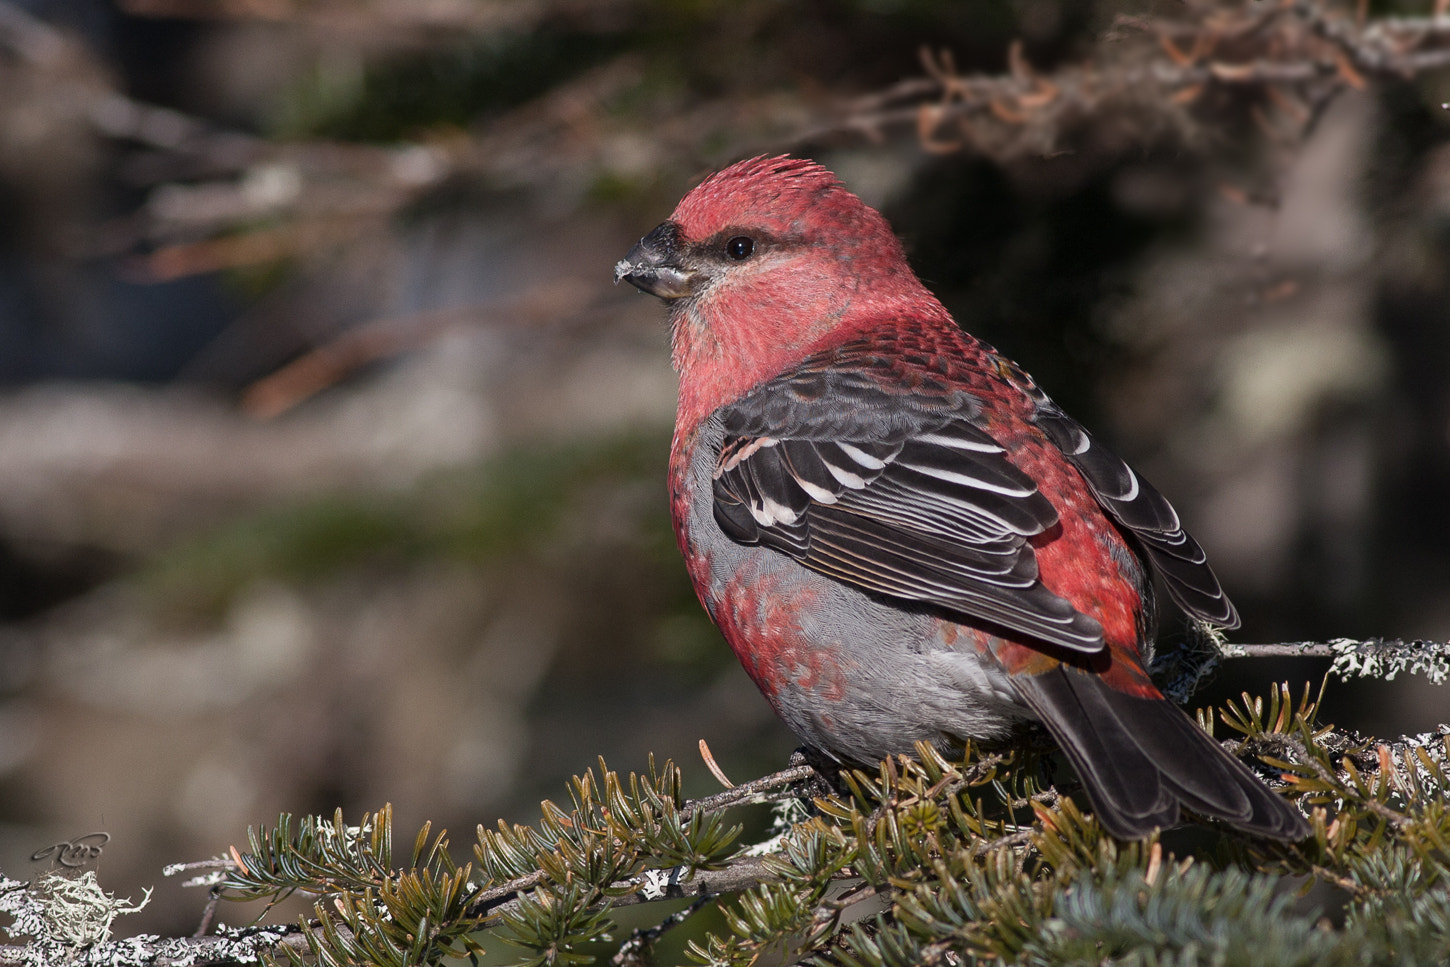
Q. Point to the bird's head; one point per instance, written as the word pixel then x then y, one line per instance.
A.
pixel 764 263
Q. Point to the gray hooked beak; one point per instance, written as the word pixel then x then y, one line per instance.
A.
pixel 653 265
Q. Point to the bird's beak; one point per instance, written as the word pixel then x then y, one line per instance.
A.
pixel 653 265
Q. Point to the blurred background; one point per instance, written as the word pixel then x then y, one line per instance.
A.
pixel 332 464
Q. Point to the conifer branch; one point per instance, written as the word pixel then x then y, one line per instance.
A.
pixel 943 847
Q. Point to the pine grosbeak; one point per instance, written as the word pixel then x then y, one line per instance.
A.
pixel 899 535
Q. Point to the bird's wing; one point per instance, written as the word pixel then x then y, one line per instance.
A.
pixel 898 493
pixel 1146 514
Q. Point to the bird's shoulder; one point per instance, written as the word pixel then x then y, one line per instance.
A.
pixel 886 385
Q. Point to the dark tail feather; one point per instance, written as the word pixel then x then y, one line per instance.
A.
pixel 1140 758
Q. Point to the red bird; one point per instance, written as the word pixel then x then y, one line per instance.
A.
pixel 901 537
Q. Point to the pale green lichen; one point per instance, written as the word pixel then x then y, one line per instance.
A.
pixel 1384 659
pixel 79 912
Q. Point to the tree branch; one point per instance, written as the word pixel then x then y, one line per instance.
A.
pixel 1381 658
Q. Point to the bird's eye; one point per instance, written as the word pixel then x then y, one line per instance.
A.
pixel 740 247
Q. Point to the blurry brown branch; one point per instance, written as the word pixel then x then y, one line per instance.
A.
pixel 390 21
pixel 1154 76
pixel 247 201
pixel 351 350
pixel 227 199
pixel 31 39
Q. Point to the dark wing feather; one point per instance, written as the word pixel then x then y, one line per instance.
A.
pixel 1147 515
pixel 918 504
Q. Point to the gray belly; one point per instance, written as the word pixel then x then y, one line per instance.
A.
pixel 850 674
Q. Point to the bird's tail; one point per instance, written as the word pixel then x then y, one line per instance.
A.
pixel 1141 758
